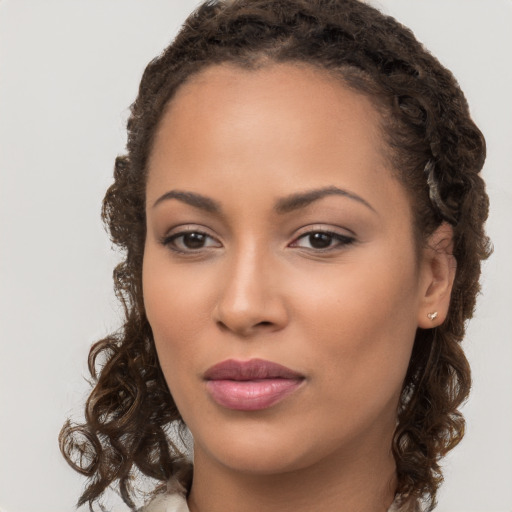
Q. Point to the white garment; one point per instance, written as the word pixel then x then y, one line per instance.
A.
pixel 167 503
pixel 177 503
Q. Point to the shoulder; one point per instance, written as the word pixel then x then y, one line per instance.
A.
pixel 167 503
pixel 407 506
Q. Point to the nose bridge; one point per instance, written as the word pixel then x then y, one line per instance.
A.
pixel 249 296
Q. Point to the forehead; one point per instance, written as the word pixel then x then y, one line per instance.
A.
pixel 273 106
pixel 300 88
pixel 272 131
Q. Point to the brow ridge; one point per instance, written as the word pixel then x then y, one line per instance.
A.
pixel 303 199
pixel 284 205
pixel 191 198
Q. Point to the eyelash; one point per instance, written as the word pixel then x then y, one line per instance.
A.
pixel 170 241
pixel 341 241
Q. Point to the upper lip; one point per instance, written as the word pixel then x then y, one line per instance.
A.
pixel 254 369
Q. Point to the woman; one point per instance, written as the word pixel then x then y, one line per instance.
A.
pixel 302 216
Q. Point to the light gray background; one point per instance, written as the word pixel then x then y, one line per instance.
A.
pixel 68 71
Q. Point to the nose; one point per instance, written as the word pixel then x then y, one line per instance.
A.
pixel 251 296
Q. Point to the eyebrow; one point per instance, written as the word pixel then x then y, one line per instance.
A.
pixel 192 199
pixel 284 205
pixel 303 199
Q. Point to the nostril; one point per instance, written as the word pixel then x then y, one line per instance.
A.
pixel 246 318
pixel 222 326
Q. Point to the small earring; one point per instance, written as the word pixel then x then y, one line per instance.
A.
pixel 432 316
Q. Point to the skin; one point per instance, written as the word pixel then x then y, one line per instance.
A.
pixel 344 316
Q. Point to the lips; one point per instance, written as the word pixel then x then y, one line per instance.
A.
pixel 250 385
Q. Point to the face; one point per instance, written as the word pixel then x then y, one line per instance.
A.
pixel 280 276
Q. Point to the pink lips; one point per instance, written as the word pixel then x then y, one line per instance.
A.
pixel 250 385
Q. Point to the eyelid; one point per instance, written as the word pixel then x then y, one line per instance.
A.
pixel 176 232
pixel 344 239
pixel 325 228
pixel 187 228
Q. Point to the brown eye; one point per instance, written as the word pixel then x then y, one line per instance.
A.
pixel 190 241
pixel 322 240
pixel 194 240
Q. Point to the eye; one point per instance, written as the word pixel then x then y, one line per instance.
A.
pixel 322 240
pixel 190 241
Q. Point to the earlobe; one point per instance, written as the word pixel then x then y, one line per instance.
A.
pixel 439 267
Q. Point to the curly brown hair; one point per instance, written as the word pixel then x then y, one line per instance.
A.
pixel 437 152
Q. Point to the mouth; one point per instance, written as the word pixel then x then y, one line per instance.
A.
pixel 250 385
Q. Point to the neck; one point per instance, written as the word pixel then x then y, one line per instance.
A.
pixel 362 481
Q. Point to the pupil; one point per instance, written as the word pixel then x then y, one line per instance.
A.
pixel 193 240
pixel 320 240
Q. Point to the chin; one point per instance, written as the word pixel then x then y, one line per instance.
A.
pixel 255 460
pixel 263 450
pixel 247 447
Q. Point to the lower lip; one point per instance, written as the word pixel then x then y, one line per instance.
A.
pixel 251 395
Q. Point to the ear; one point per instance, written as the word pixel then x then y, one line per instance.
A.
pixel 438 273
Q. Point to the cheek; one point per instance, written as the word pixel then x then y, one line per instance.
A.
pixel 174 297
pixel 173 308
pixel 360 323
